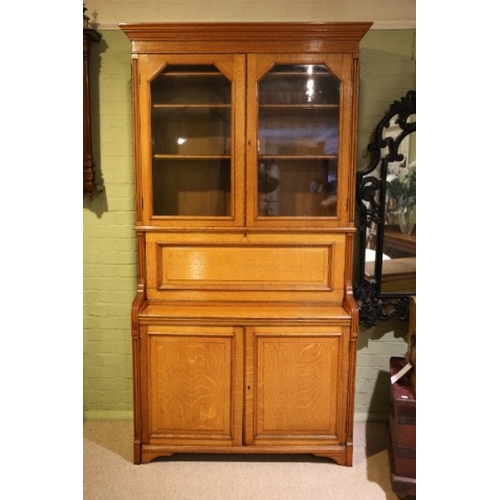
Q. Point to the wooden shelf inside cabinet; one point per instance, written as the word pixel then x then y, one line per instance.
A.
pixel 190 157
pixel 176 74
pixel 298 157
pixel 298 106
pixel 191 106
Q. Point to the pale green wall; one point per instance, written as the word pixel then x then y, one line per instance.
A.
pixel 109 253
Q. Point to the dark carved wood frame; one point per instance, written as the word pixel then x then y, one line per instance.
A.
pixel 90 35
pixel 370 198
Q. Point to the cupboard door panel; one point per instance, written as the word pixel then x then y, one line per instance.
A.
pixel 293 385
pixel 194 380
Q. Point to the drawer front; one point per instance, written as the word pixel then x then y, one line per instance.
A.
pixel 245 267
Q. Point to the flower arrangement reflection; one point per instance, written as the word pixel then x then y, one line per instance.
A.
pixel 402 194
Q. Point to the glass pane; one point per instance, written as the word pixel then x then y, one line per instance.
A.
pixel 191 141
pixel 298 141
pixel 191 187
pixel 191 131
pixel 190 84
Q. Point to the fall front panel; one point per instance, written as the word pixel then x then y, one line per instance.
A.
pixel 238 266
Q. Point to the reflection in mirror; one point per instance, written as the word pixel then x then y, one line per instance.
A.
pixel 386 198
pixel 399 242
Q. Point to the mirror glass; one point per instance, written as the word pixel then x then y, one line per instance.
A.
pixel 387 201
pixel 398 273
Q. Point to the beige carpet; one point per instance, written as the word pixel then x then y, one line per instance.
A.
pixel 109 472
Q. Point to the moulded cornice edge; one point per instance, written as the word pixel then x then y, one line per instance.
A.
pixel 377 25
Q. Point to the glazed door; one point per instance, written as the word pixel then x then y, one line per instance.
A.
pixel 293 385
pixel 191 150
pixel 193 380
pixel 299 159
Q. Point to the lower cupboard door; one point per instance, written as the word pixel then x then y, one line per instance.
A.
pixel 296 385
pixel 194 380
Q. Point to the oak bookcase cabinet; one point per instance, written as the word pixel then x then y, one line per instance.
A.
pixel 244 326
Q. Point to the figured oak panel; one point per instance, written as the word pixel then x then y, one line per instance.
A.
pixel 192 378
pixel 295 378
pixel 239 267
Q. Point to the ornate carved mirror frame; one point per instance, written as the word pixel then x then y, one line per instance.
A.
pixel 90 35
pixel 378 300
